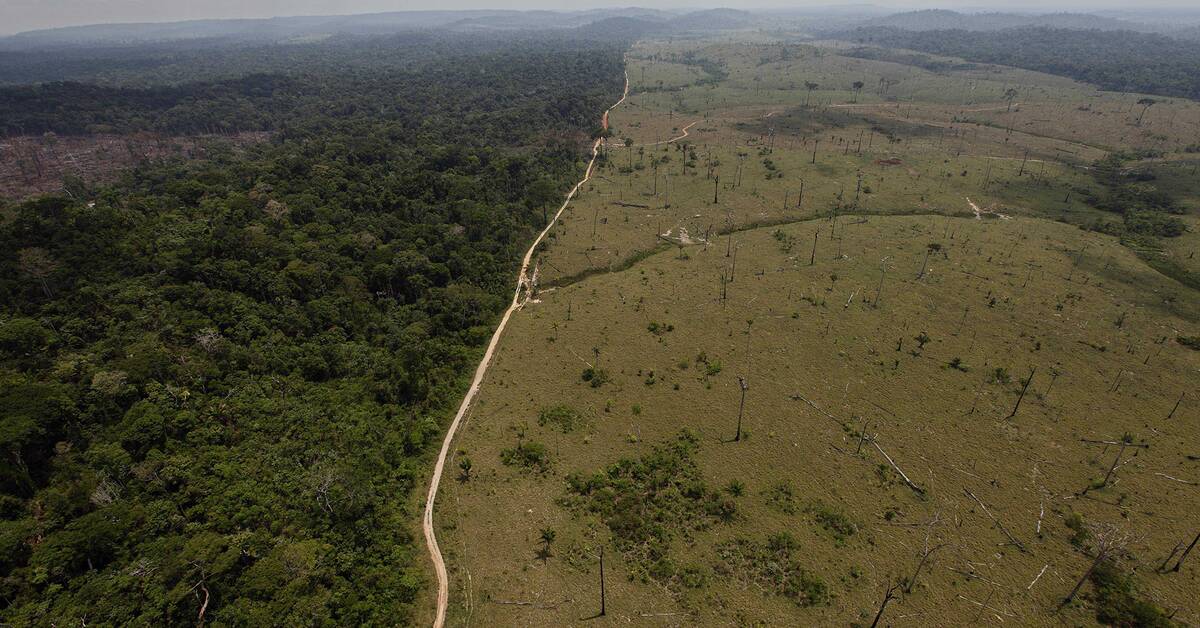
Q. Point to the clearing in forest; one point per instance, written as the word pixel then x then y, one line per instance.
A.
pixel 813 357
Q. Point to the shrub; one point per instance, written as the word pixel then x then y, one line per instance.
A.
pixel 563 417
pixel 529 455
pixel 773 566
pixel 1117 603
pixel 841 526
pixel 649 501
pixel 594 376
pixel 780 497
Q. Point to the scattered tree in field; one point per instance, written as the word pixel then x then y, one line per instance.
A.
pixel 1010 94
pixel 1179 563
pixel 1111 542
pixel 1025 387
pixel 603 596
pixel 925 553
pixel 857 86
pixel 741 406
pixel 810 86
pixel 932 247
pixel 1146 104
pixel 546 537
pixel 887 597
pixel 465 466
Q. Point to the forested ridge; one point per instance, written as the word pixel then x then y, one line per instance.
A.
pixel 1122 61
pixel 219 379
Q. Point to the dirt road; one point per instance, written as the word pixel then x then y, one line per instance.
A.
pixel 670 141
pixel 435 553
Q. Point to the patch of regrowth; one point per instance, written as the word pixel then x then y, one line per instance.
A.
pixel 781 497
pixel 773 566
pixel 1117 602
pixel 562 417
pixel 595 377
pixel 834 522
pixel 527 455
pixel 648 502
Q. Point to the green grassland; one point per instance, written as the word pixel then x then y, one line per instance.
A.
pixel 884 328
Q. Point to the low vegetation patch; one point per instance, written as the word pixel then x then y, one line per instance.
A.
pixel 528 455
pixel 1117 602
pixel 649 501
pixel 562 417
pixel 834 522
pixel 772 566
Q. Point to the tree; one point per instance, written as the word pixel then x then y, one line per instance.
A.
pixel 1010 94
pixel 1146 104
pixel 546 537
pixel 37 264
pixel 1111 542
pixel 857 85
pixel 465 465
pixel 810 86
pixel 932 247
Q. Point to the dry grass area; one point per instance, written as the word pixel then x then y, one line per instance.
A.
pixel 885 334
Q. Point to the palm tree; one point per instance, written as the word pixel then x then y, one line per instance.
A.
pixel 1146 103
pixel 547 537
pixel 810 86
pixel 1010 94
pixel 933 247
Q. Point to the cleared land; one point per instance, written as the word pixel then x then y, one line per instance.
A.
pixel 884 323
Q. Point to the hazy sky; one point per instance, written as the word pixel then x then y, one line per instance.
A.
pixel 20 15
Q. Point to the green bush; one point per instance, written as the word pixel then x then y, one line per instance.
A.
pixel 529 455
pixel 1117 603
pixel 648 502
pixel 563 417
pixel 841 526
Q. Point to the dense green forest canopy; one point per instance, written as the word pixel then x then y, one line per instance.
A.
pixel 1122 61
pixel 299 88
pixel 219 379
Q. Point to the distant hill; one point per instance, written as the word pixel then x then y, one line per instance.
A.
pixel 713 20
pixel 268 29
pixel 620 28
pixel 941 19
pixel 621 22
pixel 1188 34
pixel 1120 61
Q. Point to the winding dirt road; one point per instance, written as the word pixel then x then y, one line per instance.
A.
pixel 672 140
pixel 435 553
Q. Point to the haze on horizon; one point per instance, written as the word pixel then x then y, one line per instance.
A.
pixel 24 15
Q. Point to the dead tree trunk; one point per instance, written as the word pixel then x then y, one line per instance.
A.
pixel 1024 388
pixel 603 608
pixel 887 597
pixel 1179 401
pixel 741 407
pixel 1179 563
pixel 1075 591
